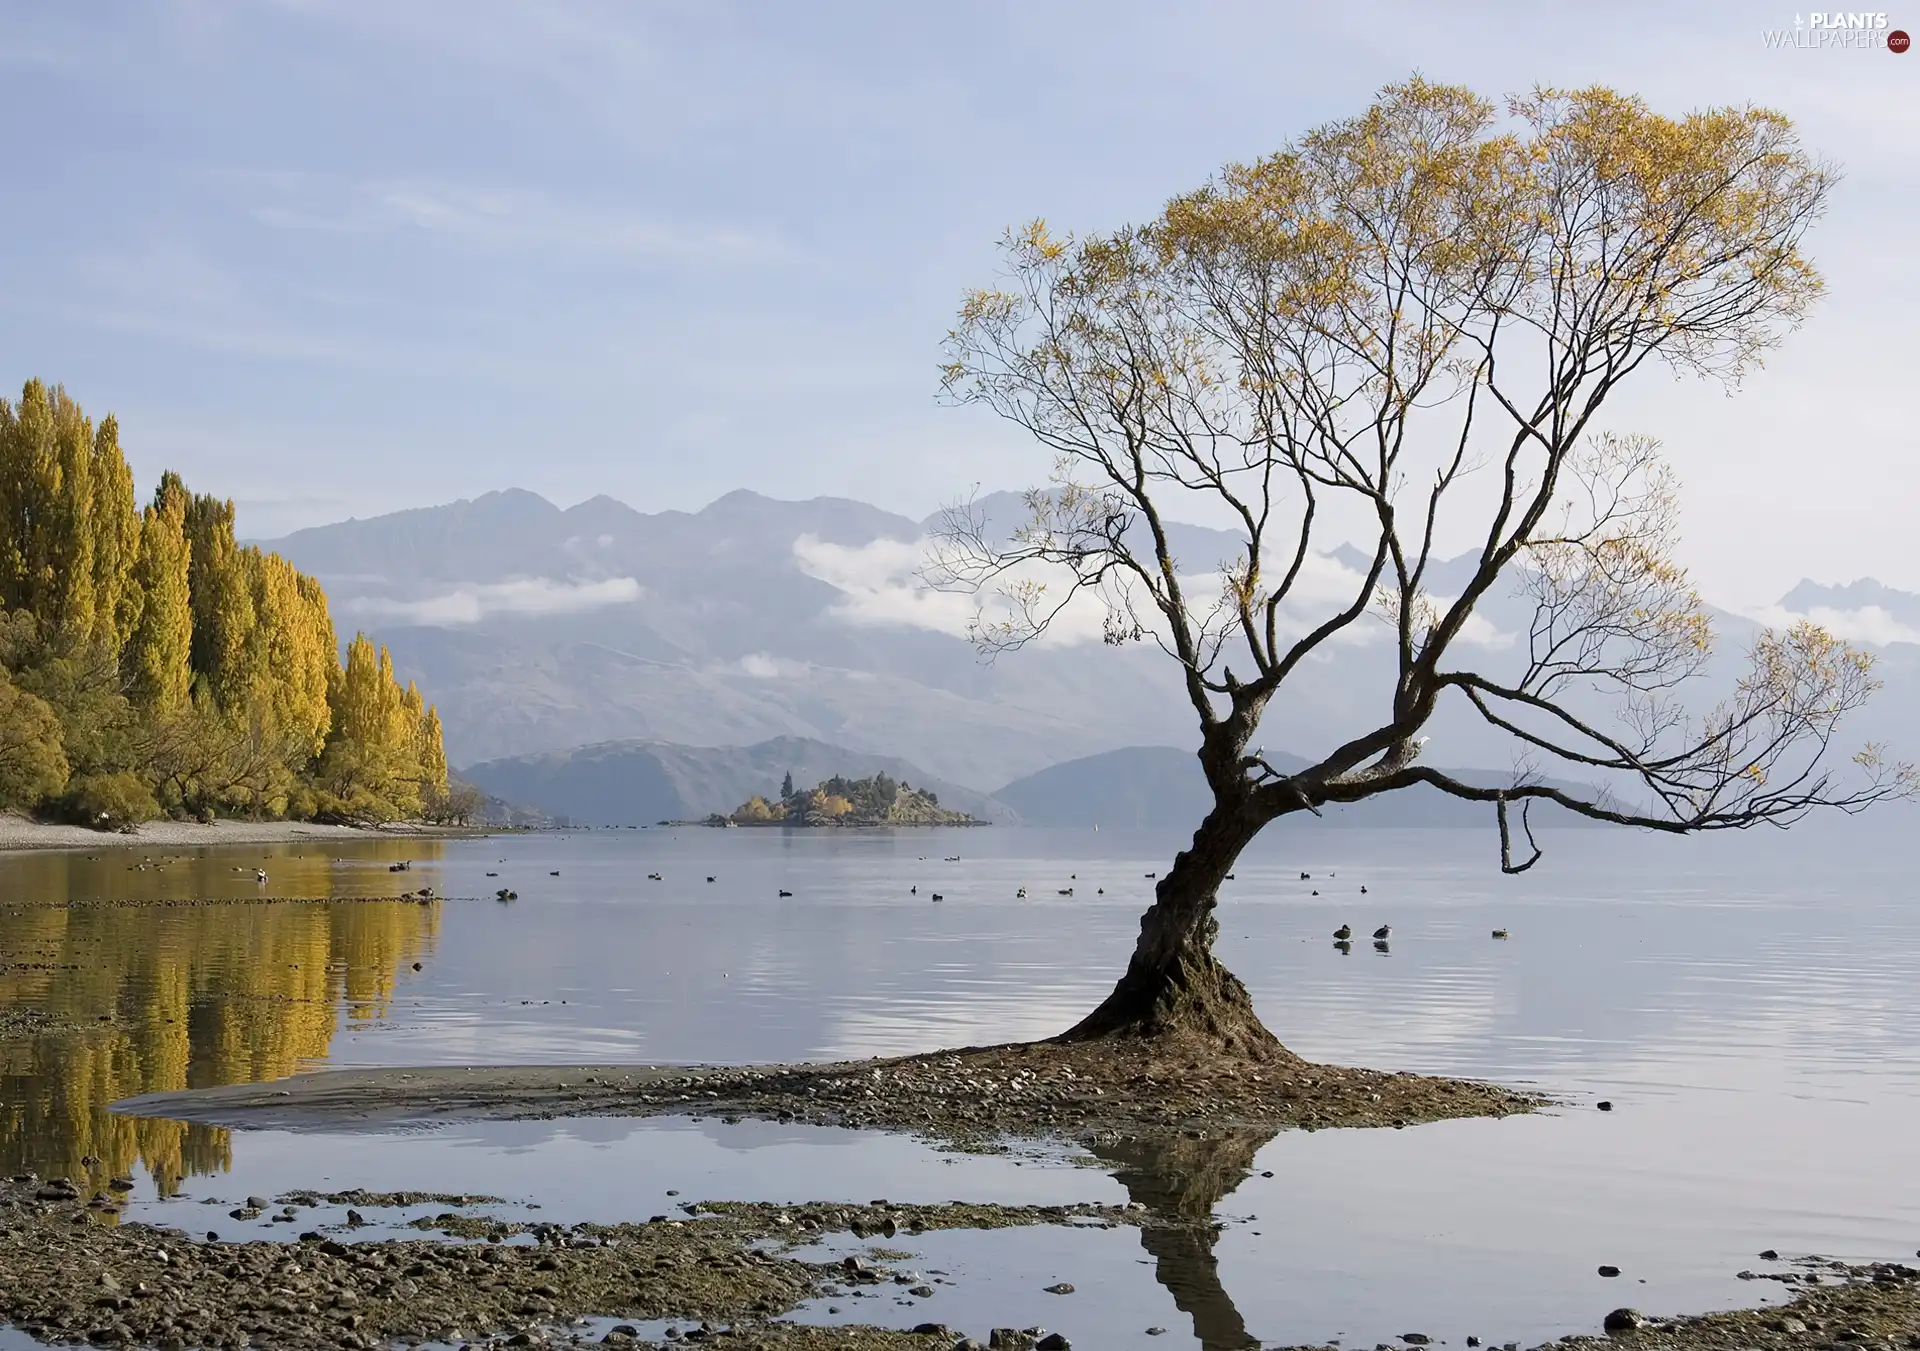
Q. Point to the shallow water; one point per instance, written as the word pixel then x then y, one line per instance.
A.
pixel 1747 1004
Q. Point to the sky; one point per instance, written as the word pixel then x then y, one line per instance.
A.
pixel 338 258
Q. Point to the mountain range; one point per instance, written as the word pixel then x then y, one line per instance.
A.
pixel 537 629
pixel 643 783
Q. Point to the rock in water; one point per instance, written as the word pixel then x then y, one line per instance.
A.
pixel 1624 1320
pixel 1609 1271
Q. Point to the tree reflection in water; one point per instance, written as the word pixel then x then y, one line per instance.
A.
pixel 1179 1180
pixel 155 996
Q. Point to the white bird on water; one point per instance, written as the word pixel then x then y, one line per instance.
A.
pixel 260 875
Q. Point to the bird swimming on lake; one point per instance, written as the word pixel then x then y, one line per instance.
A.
pixel 1499 933
pixel 1066 891
pixel 938 897
pixel 1149 876
pixel 786 893
pixel 1384 932
pixel 1020 895
pixel 710 879
pixel 1306 877
pixel 1363 890
pixel 914 890
pixel 1344 932
pixel 260 874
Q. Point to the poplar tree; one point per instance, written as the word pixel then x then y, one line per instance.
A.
pixel 116 541
pixel 158 654
pixel 69 547
pixel 289 653
pixel 432 756
pixel 46 466
pixel 221 600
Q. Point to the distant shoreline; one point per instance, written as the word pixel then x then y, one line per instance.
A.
pixel 19 834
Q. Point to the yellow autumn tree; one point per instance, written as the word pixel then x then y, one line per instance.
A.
pixel 159 651
pixel 290 651
pixel 150 663
pixel 220 595
pixel 116 542
pixel 384 758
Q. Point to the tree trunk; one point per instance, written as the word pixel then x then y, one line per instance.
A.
pixel 1175 990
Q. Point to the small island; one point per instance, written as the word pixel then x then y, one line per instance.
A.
pixel 877 801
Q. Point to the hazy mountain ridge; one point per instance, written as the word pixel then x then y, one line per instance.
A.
pixel 1157 786
pixel 535 627
pixel 634 782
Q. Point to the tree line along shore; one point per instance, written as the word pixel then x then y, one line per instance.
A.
pixel 151 666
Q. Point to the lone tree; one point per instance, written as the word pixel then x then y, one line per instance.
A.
pixel 1407 325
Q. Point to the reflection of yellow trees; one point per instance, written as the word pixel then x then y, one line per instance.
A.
pixel 159 997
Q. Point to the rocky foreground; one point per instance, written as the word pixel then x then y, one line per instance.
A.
pixel 73 1274
pixel 726 1273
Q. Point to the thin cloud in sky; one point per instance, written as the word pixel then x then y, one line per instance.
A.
pixel 1868 624
pixel 523 596
pixel 492 217
pixel 881 587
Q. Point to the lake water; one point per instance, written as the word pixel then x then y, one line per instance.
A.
pixel 1749 1005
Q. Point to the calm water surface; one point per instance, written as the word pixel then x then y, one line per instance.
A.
pixel 1748 1005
